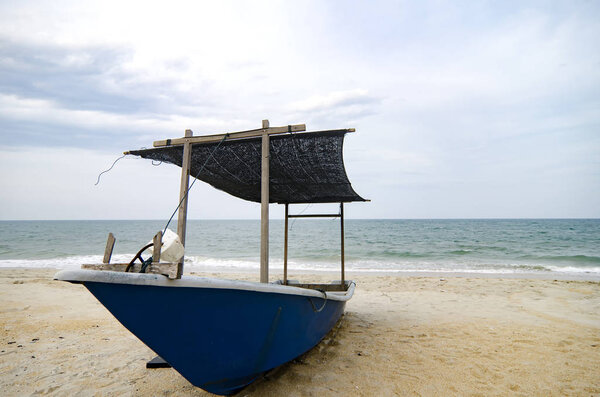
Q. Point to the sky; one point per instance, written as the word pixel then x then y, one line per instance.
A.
pixel 462 109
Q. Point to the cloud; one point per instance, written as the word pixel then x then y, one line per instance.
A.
pixel 74 77
pixel 339 106
pixel 440 94
pixel 21 117
pixel 333 100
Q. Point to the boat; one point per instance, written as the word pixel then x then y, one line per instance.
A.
pixel 221 335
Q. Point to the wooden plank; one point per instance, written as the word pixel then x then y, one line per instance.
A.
pixel 167 269
pixel 342 243
pixel 285 246
pixel 110 244
pixel 183 196
pixel 315 216
pixel 117 267
pixel 324 287
pixel 157 247
pixel 231 135
pixel 264 205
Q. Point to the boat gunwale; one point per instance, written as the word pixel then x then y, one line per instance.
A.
pixel 112 277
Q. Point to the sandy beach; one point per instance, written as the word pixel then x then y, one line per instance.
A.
pixel 401 335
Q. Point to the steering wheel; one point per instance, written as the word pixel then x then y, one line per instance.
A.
pixel 138 256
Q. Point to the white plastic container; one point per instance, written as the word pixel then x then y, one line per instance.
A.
pixel 172 249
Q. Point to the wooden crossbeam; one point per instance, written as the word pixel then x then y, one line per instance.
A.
pixel 315 216
pixel 232 135
pixel 167 269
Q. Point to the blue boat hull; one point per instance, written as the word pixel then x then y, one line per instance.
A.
pixel 220 339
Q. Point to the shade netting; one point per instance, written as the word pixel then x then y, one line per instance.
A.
pixel 303 167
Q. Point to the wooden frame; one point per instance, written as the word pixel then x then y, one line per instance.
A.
pixel 175 270
pixel 187 142
pixel 238 135
pixel 285 240
pixel 171 270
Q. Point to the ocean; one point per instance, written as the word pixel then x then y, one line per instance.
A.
pixel 555 246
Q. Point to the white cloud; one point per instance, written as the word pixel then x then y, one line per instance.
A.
pixel 435 90
pixel 331 100
pixel 13 107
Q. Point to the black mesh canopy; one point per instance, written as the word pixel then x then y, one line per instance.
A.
pixel 303 167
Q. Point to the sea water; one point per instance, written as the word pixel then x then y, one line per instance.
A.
pixel 558 246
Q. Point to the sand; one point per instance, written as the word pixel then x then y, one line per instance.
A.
pixel 400 335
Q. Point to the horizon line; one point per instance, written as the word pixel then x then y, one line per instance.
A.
pixel 278 218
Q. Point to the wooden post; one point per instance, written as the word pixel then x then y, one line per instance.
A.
pixel 183 195
pixel 342 238
pixel 157 246
pixel 264 205
pixel 285 246
pixel 110 244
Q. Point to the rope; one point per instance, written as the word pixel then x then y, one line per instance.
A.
pixel 105 171
pixel 301 212
pixel 194 181
pixel 324 303
pixel 145 264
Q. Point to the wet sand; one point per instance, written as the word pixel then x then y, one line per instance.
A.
pixel 401 335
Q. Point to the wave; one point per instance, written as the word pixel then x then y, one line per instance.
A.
pixel 202 263
pixel 577 259
pixel 461 252
pixel 69 262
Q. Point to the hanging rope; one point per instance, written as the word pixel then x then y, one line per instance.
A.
pixel 105 171
pixel 301 212
pixel 324 302
pixel 194 181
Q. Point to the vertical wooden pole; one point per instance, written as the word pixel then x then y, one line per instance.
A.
pixel 285 246
pixel 342 235
pixel 264 205
pixel 183 196
pixel 110 244
pixel 157 240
